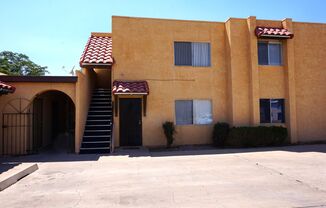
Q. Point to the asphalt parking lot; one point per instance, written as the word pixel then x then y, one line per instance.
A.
pixel 293 176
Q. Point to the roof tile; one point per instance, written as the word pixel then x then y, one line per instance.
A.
pixel 5 88
pixel 130 87
pixel 98 51
pixel 273 32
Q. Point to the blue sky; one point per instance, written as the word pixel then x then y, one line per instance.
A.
pixel 53 33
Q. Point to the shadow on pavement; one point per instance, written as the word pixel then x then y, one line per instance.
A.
pixel 156 152
pixel 209 149
pixel 7 166
pixel 51 157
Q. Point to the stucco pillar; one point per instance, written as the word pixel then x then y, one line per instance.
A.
pixel 78 124
pixel 238 70
pixel 229 73
pixel 253 73
pixel 290 104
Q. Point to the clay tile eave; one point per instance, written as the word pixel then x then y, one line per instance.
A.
pixel 6 88
pixel 98 51
pixel 130 87
pixel 273 32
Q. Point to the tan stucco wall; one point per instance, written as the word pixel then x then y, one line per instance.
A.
pixel 143 50
pixel 310 80
pixel 103 78
pixel 84 89
pixel 271 82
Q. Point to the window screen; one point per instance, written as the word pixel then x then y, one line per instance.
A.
pixel 277 111
pixel 262 53
pixel 274 51
pixel 184 112
pixel 192 54
pixel 265 114
pixel 202 112
pixel 201 54
pixel 182 54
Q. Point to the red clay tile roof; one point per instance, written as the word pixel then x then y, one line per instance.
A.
pixel 130 87
pixel 272 32
pixel 98 51
pixel 5 88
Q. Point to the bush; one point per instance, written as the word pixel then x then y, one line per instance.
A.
pixel 256 136
pixel 220 133
pixel 169 131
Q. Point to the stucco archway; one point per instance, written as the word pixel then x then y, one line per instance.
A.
pixel 53 121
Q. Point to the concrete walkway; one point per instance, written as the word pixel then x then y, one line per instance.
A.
pixel 292 176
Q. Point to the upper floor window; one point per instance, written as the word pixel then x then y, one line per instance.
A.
pixel 189 112
pixel 270 53
pixel 192 54
pixel 272 111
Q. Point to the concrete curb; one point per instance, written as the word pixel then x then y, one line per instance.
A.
pixel 15 174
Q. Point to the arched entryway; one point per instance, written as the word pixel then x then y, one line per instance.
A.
pixel 53 122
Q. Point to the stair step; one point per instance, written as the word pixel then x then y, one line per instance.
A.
pixel 95 144
pixel 98 125
pixel 97 136
pixel 96 139
pixel 97 133
pixel 99 116
pixel 102 106
pixel 95 150
pixel 103 102
pixel 101 98
pixel 99 120
pixel 98 130
pixel 100 111
pixel 102 93
pixel 99 108
pixel 104 113
pixel 102 89
pixel 98 91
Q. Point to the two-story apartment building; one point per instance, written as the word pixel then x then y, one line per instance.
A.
pixel 246 72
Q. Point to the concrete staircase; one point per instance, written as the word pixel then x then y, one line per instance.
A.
pixel 98 129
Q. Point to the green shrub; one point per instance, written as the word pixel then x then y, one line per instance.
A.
pixel 220 133
pixel 256 136
pixel 169 131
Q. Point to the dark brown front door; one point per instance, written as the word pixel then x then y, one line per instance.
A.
pixel 130 121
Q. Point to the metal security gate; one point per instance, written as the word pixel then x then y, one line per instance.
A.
pixel 17 128
pixel 17 133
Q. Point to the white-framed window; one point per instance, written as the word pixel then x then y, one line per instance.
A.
pixel 192 54
pixel 270 53
pixel 188 112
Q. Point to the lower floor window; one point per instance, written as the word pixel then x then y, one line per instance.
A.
pixel 272 111
pixel 193 112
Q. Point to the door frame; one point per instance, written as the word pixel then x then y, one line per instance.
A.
pixel 140 127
